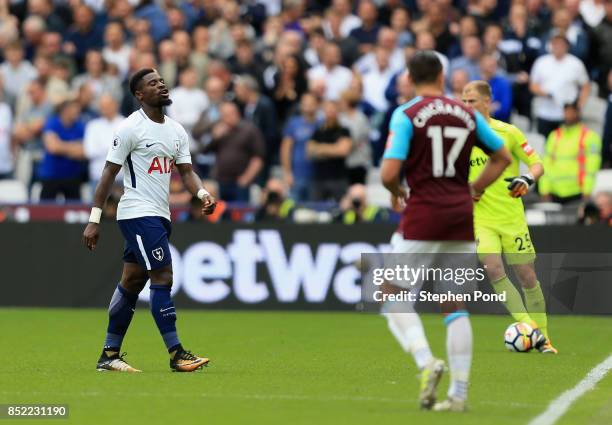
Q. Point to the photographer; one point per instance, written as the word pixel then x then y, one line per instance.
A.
pixel 355 209
pixel 275 206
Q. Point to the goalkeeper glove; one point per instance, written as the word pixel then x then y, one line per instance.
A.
pixel 519 185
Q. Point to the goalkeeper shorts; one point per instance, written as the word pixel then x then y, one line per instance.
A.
pixel 513 240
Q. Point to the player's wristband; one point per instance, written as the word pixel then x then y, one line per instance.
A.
pixel 202 193
pixel 96 215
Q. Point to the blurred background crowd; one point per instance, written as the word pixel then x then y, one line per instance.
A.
pixel 287 102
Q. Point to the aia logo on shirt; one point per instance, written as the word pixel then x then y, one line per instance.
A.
pixel 161 165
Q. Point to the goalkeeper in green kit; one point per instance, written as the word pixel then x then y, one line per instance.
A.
pixel 499 220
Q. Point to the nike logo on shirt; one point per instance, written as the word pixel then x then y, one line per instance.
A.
pixel 149 145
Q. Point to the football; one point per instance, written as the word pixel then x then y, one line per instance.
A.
pixel 519 337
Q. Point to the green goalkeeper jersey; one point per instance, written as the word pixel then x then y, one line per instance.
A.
pixel 496 205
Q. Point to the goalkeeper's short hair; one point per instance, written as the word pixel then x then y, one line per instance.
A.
pixel 482 88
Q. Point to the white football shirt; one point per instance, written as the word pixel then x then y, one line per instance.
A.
pixel 147 151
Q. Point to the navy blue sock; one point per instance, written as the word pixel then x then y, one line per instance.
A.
pixel 164 314
pixel 120 313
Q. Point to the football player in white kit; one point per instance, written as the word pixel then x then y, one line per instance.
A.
pixel 147 145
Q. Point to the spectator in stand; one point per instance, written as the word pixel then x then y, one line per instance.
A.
pixel 85 99
pixel 116 51
pixel 84 35
pixel 215 91
pixel 435 20
pixel 167 63
pixel 592 11
pixel 376 81
pixel 606 152
pixel 188 100
pixel 297 167
pixel 349 47
pixel 6 144
pixel 176 19
pixel 602 49
pixel 603 201
pixel 501 106
pixel 222 44
pixel 426 41
pixel 387 40
pixel 245 62
pixel 182 45
pixel 290 85
pixel 469 60
pixel 154 14
pixel 16 71
pixel 98 79
pixel 328 149
pixel 240 151
pixel 359 161
pixel 563 23
pixel 400 23
pixel 572 159
pixel 467 27
pixel 97 139
pixel 259 110
pixel 556 79
pixel 337 77
pixel 459 79
pixel 33 28
pixel 58 83
pixel 366 34
pixel 27 132
pixel 44 9
pixel 61 168
pixel 51 48
pixel 348 21
pixel 199 58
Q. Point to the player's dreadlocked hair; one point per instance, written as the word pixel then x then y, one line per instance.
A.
pixel 424 67
pixel 137 78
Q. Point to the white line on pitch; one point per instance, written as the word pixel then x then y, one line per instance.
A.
pixel 561 404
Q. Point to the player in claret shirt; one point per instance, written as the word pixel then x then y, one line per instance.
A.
pixel 430 141
pixel 147 145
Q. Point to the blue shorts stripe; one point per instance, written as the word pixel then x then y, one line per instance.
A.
pixel 455 315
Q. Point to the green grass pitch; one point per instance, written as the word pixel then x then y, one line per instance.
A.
pixel 288 368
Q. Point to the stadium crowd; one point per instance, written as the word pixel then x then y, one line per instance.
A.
pixel 293 96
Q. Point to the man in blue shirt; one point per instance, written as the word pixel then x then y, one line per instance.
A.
pixel 501 108
pixel 297 167
pixel 61 168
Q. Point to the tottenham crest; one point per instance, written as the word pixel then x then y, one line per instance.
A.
pixel 158 253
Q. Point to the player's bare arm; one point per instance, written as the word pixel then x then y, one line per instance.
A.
pixel 92 231
pixel 194 185
pixel 390 175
